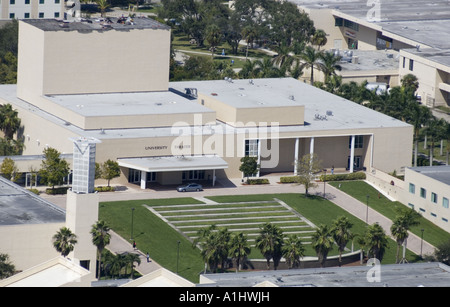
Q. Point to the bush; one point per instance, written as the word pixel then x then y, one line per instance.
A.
pixel 340 177
pixel 57 191
pixel 104 189
pixel 35 191
pixel 258 181
pixel 289 179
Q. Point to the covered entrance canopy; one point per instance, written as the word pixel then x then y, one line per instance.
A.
pixel 173 164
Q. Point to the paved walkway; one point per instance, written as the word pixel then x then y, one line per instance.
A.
pixel 234 187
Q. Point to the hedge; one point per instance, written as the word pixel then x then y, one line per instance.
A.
pixel 258 181
pixel 335 177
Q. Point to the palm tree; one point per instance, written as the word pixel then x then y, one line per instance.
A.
pixel 130 260
pixel 400 234
pixel 249 33
pixel 270 243
pixel 293 250
pixel 267 69
pixel 410 83
pixel 319 38
pixel 376 241
pixel 434 131
pixel 417 116
pixel 64 241
pixel 284 57
pixel 213 37
pixel 239 249
pixel 329 64
pixel 322 242
pixel 341 234
pixel 250 70
pixel 102 5
pixel 446 132
pixel 311 58
pixel 100 238
pixel 9 121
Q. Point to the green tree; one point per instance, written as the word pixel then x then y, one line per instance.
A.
pixel 213 37
pixel 341 234
pixel 329 65
pixel 239 249
pixel 130 260
pixel 250 34
pixel 64 241
pixel 100 238
pixel 311 59
pixel 319 38
pixel 9 121
pixel 7 269
pixel 293 250
pixel 53 168
pixel 442 252
pixel 404 220
pixel 307 169
pixel 249 166
pixel 376 241
pixel 214 245
pixel 435 131
pixel 9 169
pixel 110 170
pixel 270 243
pixel 322 242
pixel 417 115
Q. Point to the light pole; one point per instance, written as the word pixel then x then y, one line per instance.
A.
pixel 132 217
pixel 421 242
pixel 324 180
pixel 367 209
pixel 178 253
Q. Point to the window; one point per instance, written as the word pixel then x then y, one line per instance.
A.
pixel 27 1
pixel 251 148
pixel 12 1
pixel 412 188
pixel 359 141
pixel 57 1
pixel 411 205
pixel 41 1
pixel 445 202
pixel 404 62
pixel 434 197
pixel 56 14
pixel 26 15
pixel 433 214
pixel 423 193
pixel 351 25
pixel 338 22
pixel 411 65
pixel 41 15
pixel 12 15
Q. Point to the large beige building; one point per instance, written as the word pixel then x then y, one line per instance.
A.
pixel 110 82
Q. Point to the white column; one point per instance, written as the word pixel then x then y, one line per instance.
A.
pixel 143 180
pixel 311 146
pixel 352 153
pixel 259 156
pixel 214 178
pixel 296 156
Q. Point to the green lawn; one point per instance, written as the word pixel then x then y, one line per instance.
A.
pixel 155 236
pixel 359 190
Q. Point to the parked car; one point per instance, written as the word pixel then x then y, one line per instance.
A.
pixel 190 187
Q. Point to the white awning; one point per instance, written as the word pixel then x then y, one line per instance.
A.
pixel 174 163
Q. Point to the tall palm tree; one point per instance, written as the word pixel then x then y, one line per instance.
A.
pixel 249 33
pixel 376 241
pixel 435 132
pixel 64 241
pixel 100 238
pixel 417 115
pixel 329 65
pixel 267 69
pixel 293 250
pixel 213 36
pixel 341 234
pixel 270 243
pixel 400 234
pixel 239 249
pixel 322 242
pixel 319 38
pixel 130 260
pixel 250 70
pixel 9 121
pixel 311 58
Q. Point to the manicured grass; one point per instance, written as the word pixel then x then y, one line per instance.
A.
pixel 360 189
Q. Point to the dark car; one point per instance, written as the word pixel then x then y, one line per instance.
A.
pixel 190 187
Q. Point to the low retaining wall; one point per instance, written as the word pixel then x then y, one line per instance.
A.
pixel 305 263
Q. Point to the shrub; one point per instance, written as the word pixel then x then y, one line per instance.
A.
pixel 104 189
pixel 56 191
pixel 289 179
pixel 340 177
pixel 35 191
pixel 258 181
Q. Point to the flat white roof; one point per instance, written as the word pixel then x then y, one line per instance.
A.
pixel 174 163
